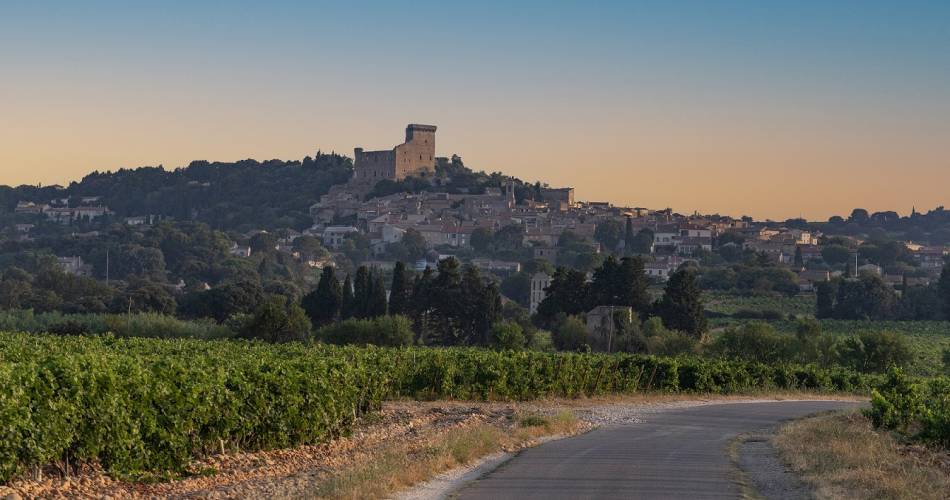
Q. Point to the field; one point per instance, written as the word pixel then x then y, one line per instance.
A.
pixel 729 304
pixel 144 406
pixel 927 339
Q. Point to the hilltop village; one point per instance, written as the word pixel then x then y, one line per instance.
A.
pixel 408 204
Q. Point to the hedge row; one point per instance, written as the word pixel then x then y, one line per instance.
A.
pixel 147 405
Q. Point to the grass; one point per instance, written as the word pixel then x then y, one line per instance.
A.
pixel 842 457
pixel 725 303
pixel 400 466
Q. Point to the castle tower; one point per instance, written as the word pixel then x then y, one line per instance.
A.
pixel 415 157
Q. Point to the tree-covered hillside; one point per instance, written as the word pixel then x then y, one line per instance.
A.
pixel 238 196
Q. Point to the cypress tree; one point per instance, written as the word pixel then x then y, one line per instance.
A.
pixel 421 305
pixel 944 289
pixel 361 292
pixel 324 304
pixel 681 307
pixel 628 237
pixel 349 300
pixel 400 294
pixel 376 301
pixel 826 292
pixel 799 260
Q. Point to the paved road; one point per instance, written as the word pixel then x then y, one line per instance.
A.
pixel 675 454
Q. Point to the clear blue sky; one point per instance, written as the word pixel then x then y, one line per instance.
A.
pixel 695 104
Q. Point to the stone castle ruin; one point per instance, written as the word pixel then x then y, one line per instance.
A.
pixel 415 157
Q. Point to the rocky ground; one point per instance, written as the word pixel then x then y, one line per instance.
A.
pixel 291 473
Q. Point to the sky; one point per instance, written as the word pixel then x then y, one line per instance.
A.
pixel 773 109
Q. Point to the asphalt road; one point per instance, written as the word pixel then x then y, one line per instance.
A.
pixel 676 454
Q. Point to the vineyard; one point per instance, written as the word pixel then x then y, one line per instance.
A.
pixel 730 304
pixel 146 406
pixel 918 409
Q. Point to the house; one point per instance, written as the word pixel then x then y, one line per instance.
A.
pixel 545 252
pixel 870 269
pixel 810 253
pixel 930 257
pixel 658 271
pixel 28 207
pixel 334 236
pixel 497 266
pixel 666 236
pixel 72 265
pixel 688 245
pixel 239 250
pixel 808 279
pixel 894 280
pixel 380 265
pixel 539 284
pixel 600 324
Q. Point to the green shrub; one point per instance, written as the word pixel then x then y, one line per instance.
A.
pixel 507 335
pixel 388 331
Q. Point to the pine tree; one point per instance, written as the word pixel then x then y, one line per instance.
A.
pixel 349 300
pixel 568 293
pixel 324 304
pixel 400 293
pixel 681 307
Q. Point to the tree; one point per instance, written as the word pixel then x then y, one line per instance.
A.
pixel 277 320
pixel 865 298
pixel 481 239
pixel 567 294
pixel 875 351
pixel 621 283
pixel 415 243
pixel 826 293
pixel 836 254
pixel 263 242
pixel 361 292
pixel 944 288
pixel 609 233
pixel 376 301
pixel 508 335
pixel 799 260
pixel 325 303
pixel 223 301
pixel 643 242
pixel 145 296
pixel 517 287
pixel 446 301
pixel 681 307
pixel 348 307
pixel 400 293
pixel 859 215
pixel 569 333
